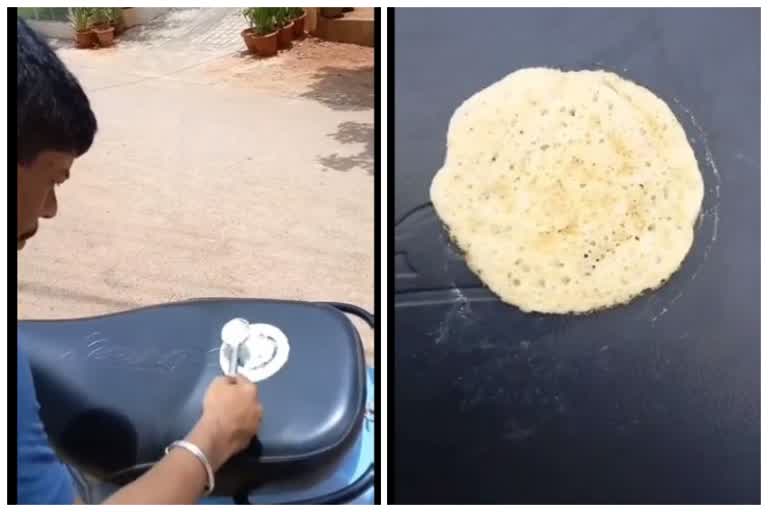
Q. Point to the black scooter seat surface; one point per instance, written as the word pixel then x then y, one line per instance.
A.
pixel 116 390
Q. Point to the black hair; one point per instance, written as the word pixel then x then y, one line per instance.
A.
pixel 53 112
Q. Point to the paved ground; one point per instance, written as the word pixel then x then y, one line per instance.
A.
pixel 213 174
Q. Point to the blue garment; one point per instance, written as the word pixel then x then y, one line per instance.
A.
pixel 42 477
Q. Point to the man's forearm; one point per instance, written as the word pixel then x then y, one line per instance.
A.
pixel 179 478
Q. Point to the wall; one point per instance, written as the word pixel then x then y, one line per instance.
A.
pixel 141 15
pixel 62 30
pixel 57 29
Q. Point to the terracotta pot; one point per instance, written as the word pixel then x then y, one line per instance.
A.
pixel 285 36
pixel 298 26
pixel 263 46
pixel 85 39
pixel 106 35
pixel 247 36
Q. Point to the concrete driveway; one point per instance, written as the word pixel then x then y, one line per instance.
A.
pixel 213 174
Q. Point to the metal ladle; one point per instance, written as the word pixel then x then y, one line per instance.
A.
pixel 234 334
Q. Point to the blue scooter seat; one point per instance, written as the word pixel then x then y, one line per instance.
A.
pixel 115 390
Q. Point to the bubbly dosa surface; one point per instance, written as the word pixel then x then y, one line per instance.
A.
pixel 568 191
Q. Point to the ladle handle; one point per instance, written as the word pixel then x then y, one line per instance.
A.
pixel 234 358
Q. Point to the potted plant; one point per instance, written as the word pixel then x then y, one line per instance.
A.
pixel 104 31
pixel 285 27
pixel 80 18
pixel 298 16
pixel 114 17
pixel 261 36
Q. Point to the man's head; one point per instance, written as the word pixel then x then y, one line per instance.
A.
pixel 54 126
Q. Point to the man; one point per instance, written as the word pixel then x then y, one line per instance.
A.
pixel 55 126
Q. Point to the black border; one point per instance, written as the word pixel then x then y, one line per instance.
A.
pixel 377 241
pixel 12 349
pixel 391 379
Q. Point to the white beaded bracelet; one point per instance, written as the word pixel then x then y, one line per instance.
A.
pixel 197 452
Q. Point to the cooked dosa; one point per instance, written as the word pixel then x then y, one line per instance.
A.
pixel 568 192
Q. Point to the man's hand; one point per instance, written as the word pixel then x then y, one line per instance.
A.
pixel 231 419
pixel 232 415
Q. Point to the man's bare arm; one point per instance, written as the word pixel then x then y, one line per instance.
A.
pixel 179 478
pixel 232 416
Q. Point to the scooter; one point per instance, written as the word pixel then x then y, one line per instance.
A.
pixel 116 390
